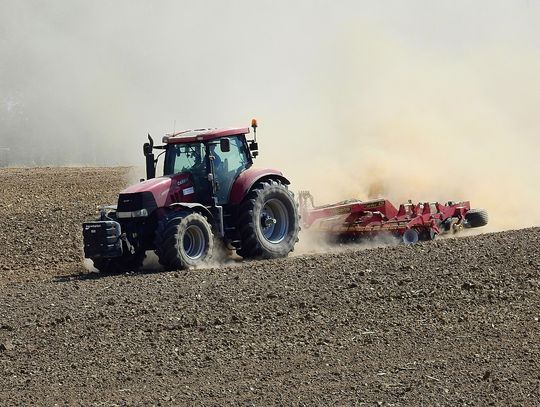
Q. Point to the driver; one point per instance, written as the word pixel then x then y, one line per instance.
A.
pixel 217 159
pixel 198 161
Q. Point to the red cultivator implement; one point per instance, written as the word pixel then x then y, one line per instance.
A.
pixel 354 219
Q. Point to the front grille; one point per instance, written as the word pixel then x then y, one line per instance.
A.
pixel 136 201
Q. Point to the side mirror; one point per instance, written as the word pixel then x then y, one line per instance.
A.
pixel 147 149
pixel 254 146
pixel 225 145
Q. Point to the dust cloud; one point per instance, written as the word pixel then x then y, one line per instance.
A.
pixel 403 120
pixel 407 100
pixel 438 129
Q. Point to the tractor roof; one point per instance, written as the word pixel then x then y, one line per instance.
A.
pixel 189 136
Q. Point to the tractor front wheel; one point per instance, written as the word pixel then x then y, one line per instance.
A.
pixel 184 241
pixel 268 222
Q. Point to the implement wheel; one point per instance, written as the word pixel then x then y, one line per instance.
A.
pixel 410 236
pixel 476 218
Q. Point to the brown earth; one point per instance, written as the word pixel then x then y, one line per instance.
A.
pixel 451 322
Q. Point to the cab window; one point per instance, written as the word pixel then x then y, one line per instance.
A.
pixel 189 157
pixel 228 165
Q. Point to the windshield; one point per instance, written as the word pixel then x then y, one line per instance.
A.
pixel 189 157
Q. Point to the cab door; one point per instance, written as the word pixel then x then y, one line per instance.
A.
pixel 229 165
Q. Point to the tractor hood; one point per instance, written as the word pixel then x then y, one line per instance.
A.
pixel 155 186
pixel 152 194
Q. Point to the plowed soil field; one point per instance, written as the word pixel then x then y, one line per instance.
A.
pixel 450 322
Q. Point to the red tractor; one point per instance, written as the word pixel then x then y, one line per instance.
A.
pixel 209 190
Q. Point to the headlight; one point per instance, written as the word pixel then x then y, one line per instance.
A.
pixel 141 213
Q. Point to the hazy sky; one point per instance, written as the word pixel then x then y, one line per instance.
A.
pixel 350 89
pixel 78 78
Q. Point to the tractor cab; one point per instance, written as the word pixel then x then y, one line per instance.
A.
pixel 206 162
pixel 213 163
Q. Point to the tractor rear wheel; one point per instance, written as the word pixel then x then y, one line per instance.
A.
pixel 184 241
pixel 268 222
pixel 476 218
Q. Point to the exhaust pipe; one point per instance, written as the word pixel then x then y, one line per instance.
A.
pixel 150 160
pixel 150 167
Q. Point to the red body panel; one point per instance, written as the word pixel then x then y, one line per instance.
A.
pixel 176 188
pixel 189 136
pixel 157 186
pixel 167 189
pixel 247 179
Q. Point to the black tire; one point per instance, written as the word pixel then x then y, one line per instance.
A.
pixel 411 236
pixel 426 235
pixel 184 241
pixel 268 222
pixel 122 264
pixel 476 218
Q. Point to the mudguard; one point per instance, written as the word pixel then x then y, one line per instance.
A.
pixel 196 207
pixel 248 178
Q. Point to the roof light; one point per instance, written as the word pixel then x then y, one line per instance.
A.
pixel 254 123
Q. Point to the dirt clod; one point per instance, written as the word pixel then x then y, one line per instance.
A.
pixel 6 345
